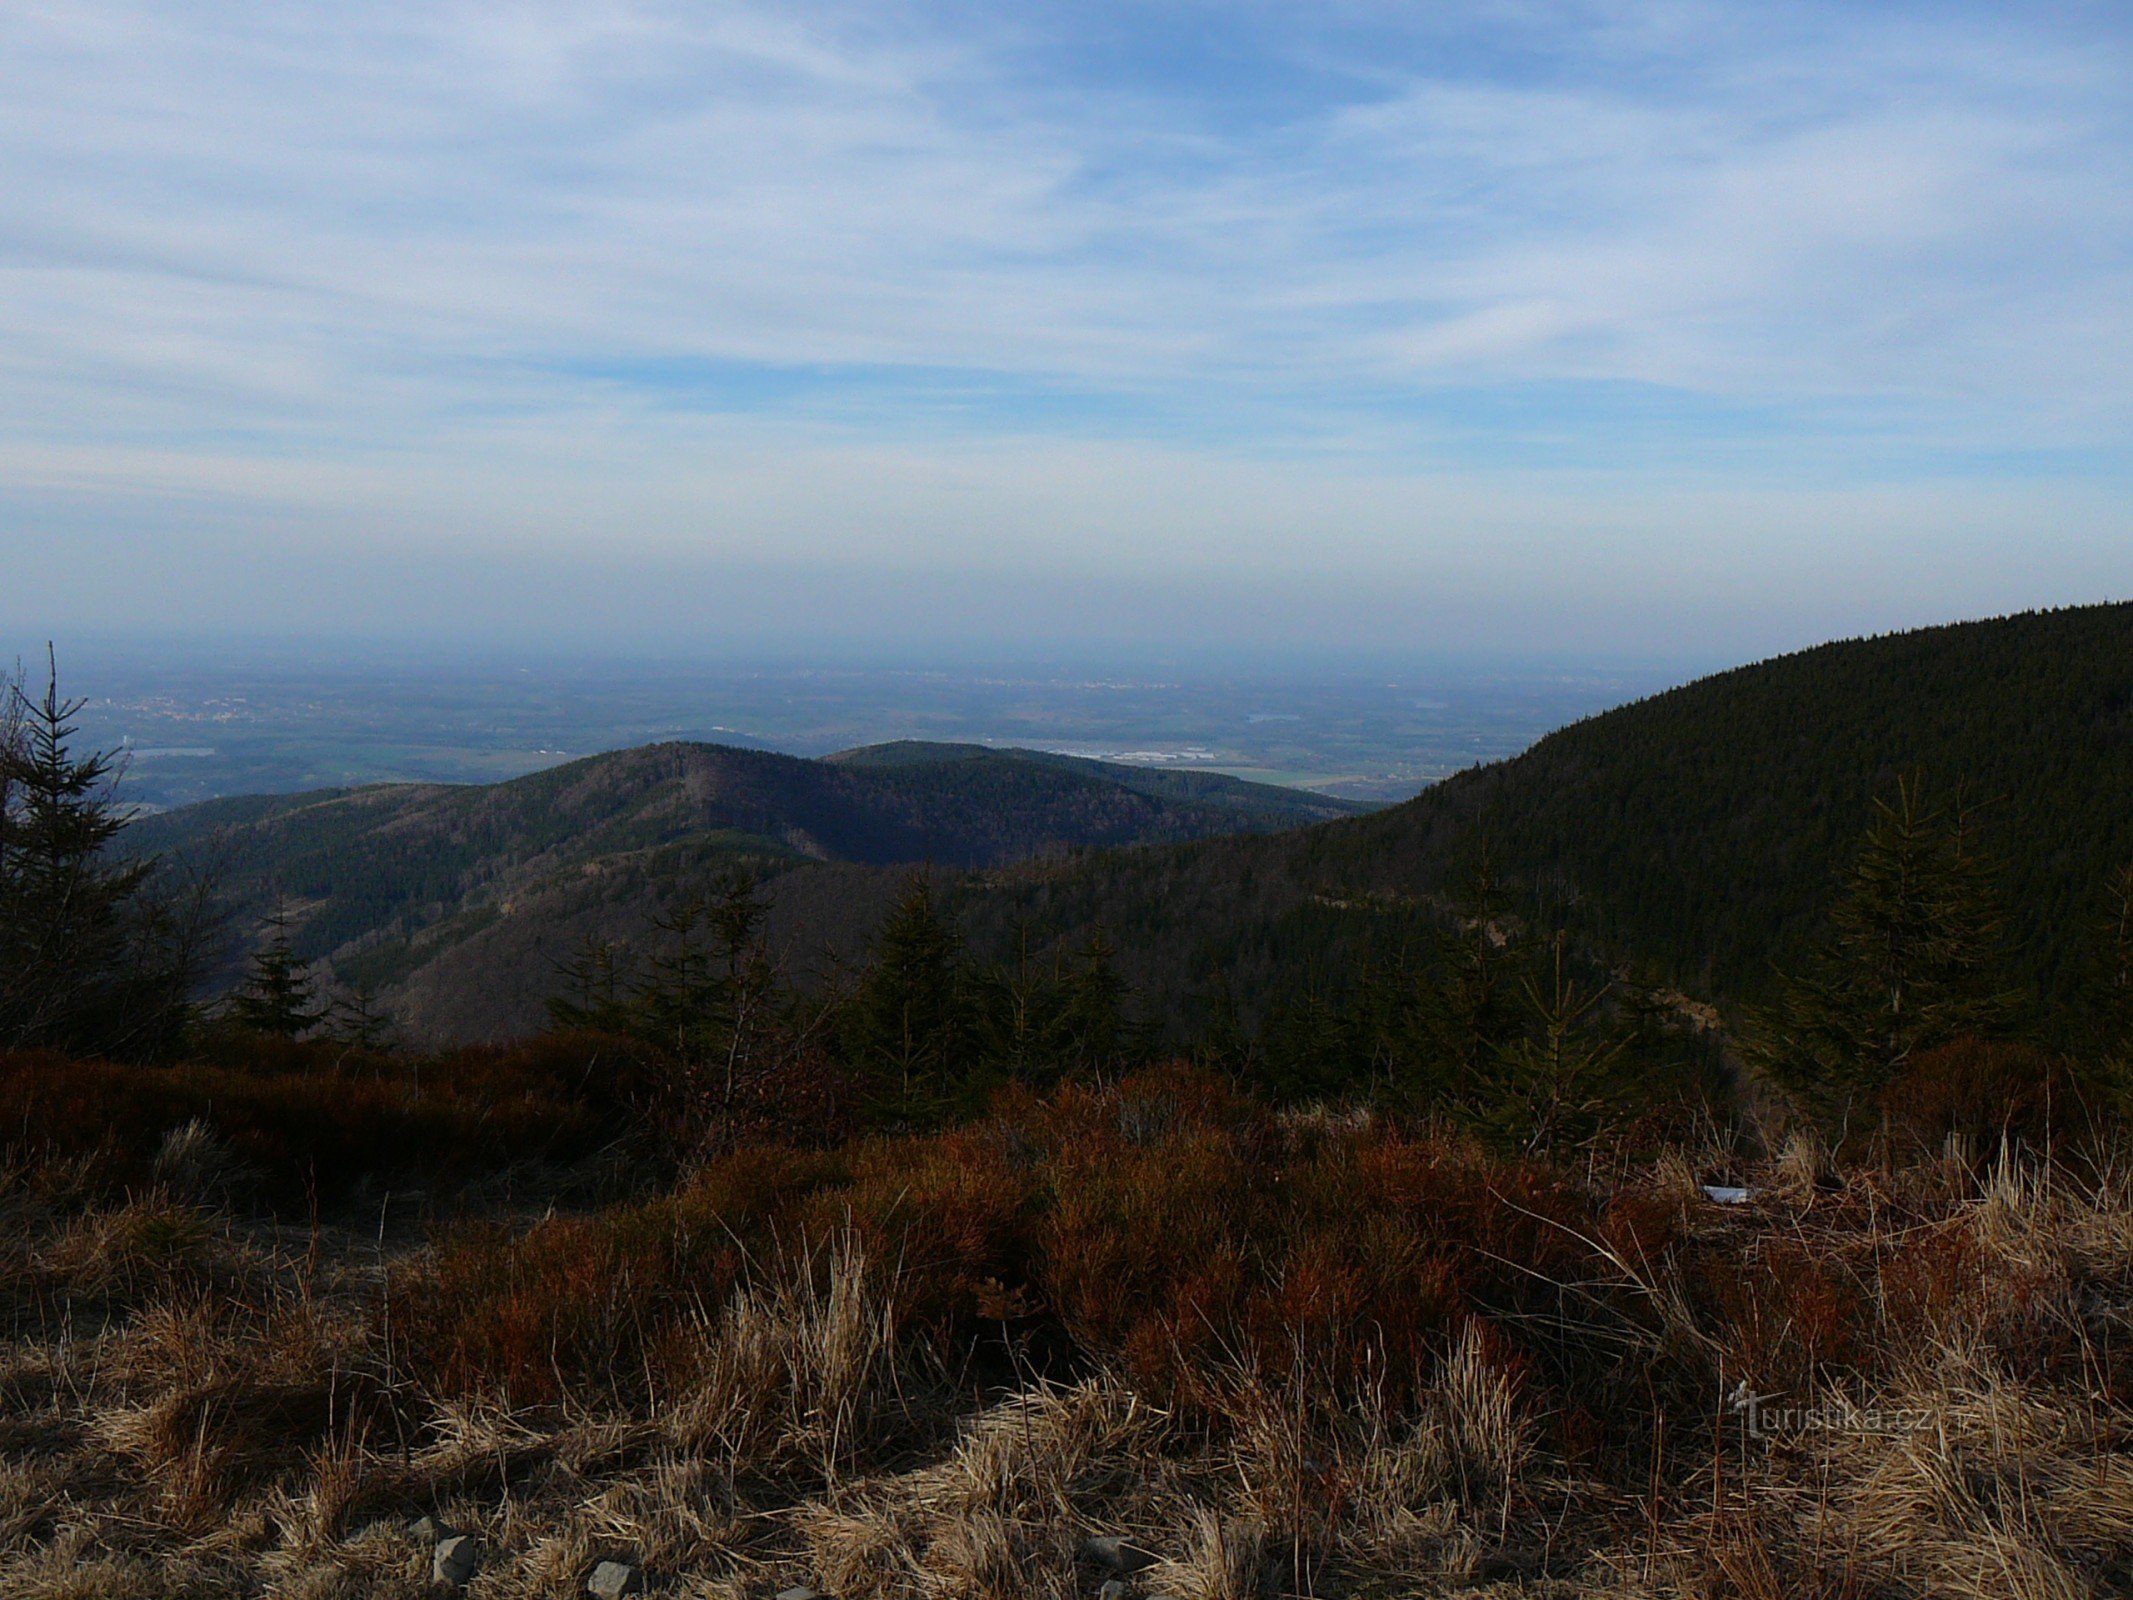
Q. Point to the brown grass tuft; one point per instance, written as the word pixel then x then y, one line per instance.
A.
pixel 1305 1355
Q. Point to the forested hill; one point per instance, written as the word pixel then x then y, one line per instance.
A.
pixel 1702 828
pixel 1701 831
pixel 364 872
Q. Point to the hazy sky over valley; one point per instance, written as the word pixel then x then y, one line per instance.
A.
pixel 1631 329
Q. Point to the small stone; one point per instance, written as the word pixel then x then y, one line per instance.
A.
pixel 801 1591
pixel 1115 1589
pixel 1115 1552
pixel 429 1531
pixel 456 1560
pixel 611 1580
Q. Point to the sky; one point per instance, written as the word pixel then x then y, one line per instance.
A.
pixel 1656 329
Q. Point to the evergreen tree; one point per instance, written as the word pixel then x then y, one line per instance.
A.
pixel 678 1004
pixel 2109 989
pixel 1674 1050
pixel 1468 1011
pixel 1912 958
pixel 1094 1035
pixel 743 1003
pixel 91 959
pixel 909 1018
pixel 2110 997
pixel 1224 1044
pixel 1390 1027
pixel 278 995
pixel 1017 1011
pixel 1566 1075
pixel 709 994
pixel 1313 1047
pixel 355 1020
pixel 595 983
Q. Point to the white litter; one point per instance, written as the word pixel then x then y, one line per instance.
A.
pixel 1724 1194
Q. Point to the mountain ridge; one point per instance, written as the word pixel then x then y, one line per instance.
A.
pixel 369 873
pixel 1700 830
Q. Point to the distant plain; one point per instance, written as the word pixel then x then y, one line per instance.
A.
pixel 196 726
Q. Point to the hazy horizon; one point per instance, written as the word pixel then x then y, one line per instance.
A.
pixel 199 722
pixel 1696 331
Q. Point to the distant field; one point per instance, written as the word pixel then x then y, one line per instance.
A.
pixel 197 730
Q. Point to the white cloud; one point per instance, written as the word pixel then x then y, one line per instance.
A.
pixel 480 269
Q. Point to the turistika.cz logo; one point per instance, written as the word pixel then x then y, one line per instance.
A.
pixel 1772 1417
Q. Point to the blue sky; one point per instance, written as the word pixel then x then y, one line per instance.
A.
pixel 1641 328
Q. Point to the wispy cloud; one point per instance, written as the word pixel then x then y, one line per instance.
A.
pixel 388 264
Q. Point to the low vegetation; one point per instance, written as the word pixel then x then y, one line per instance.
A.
pixel 1297 1352
pixel 1493 1264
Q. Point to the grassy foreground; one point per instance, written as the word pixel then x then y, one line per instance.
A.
pixel 263 1316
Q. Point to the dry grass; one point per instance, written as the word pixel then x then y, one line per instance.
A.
pixel 1302 1355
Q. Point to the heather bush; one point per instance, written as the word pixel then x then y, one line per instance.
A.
pixel 1289 1352
pixel 1974 1098
pixel 1163 1225
pixel 307 1125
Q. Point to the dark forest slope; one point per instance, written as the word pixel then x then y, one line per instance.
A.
pixel 382 879
pixel 1701 828
pixel 1709 821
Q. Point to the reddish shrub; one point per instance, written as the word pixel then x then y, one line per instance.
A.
pixel 807 1100
pixel 1642 1226
pixel 1166 1226
pixel 946 1214
pixel 1930 1279
pixel 1973 1095
pixel 750 1190
pixel 566 1307
pixel 1222 1232
pixel 1787 1314
pixel 301 1136
pixel 270 1055
pixel 611 1077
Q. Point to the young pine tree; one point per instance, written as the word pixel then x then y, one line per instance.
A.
pixel 709 995
pixel 1225 1044
pixel 279 995
pixel 1314 1046
pixel 679 1002
pixel 1016 1008
pixel 908 1021
pixel 1568 1074
pixel 2108 996
pixel 1094 1033
pixel 1468 1007
pixel 738 1009
pixel 91 958
pixel 2106 1014
pixel 1912 958
pixel 595 993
